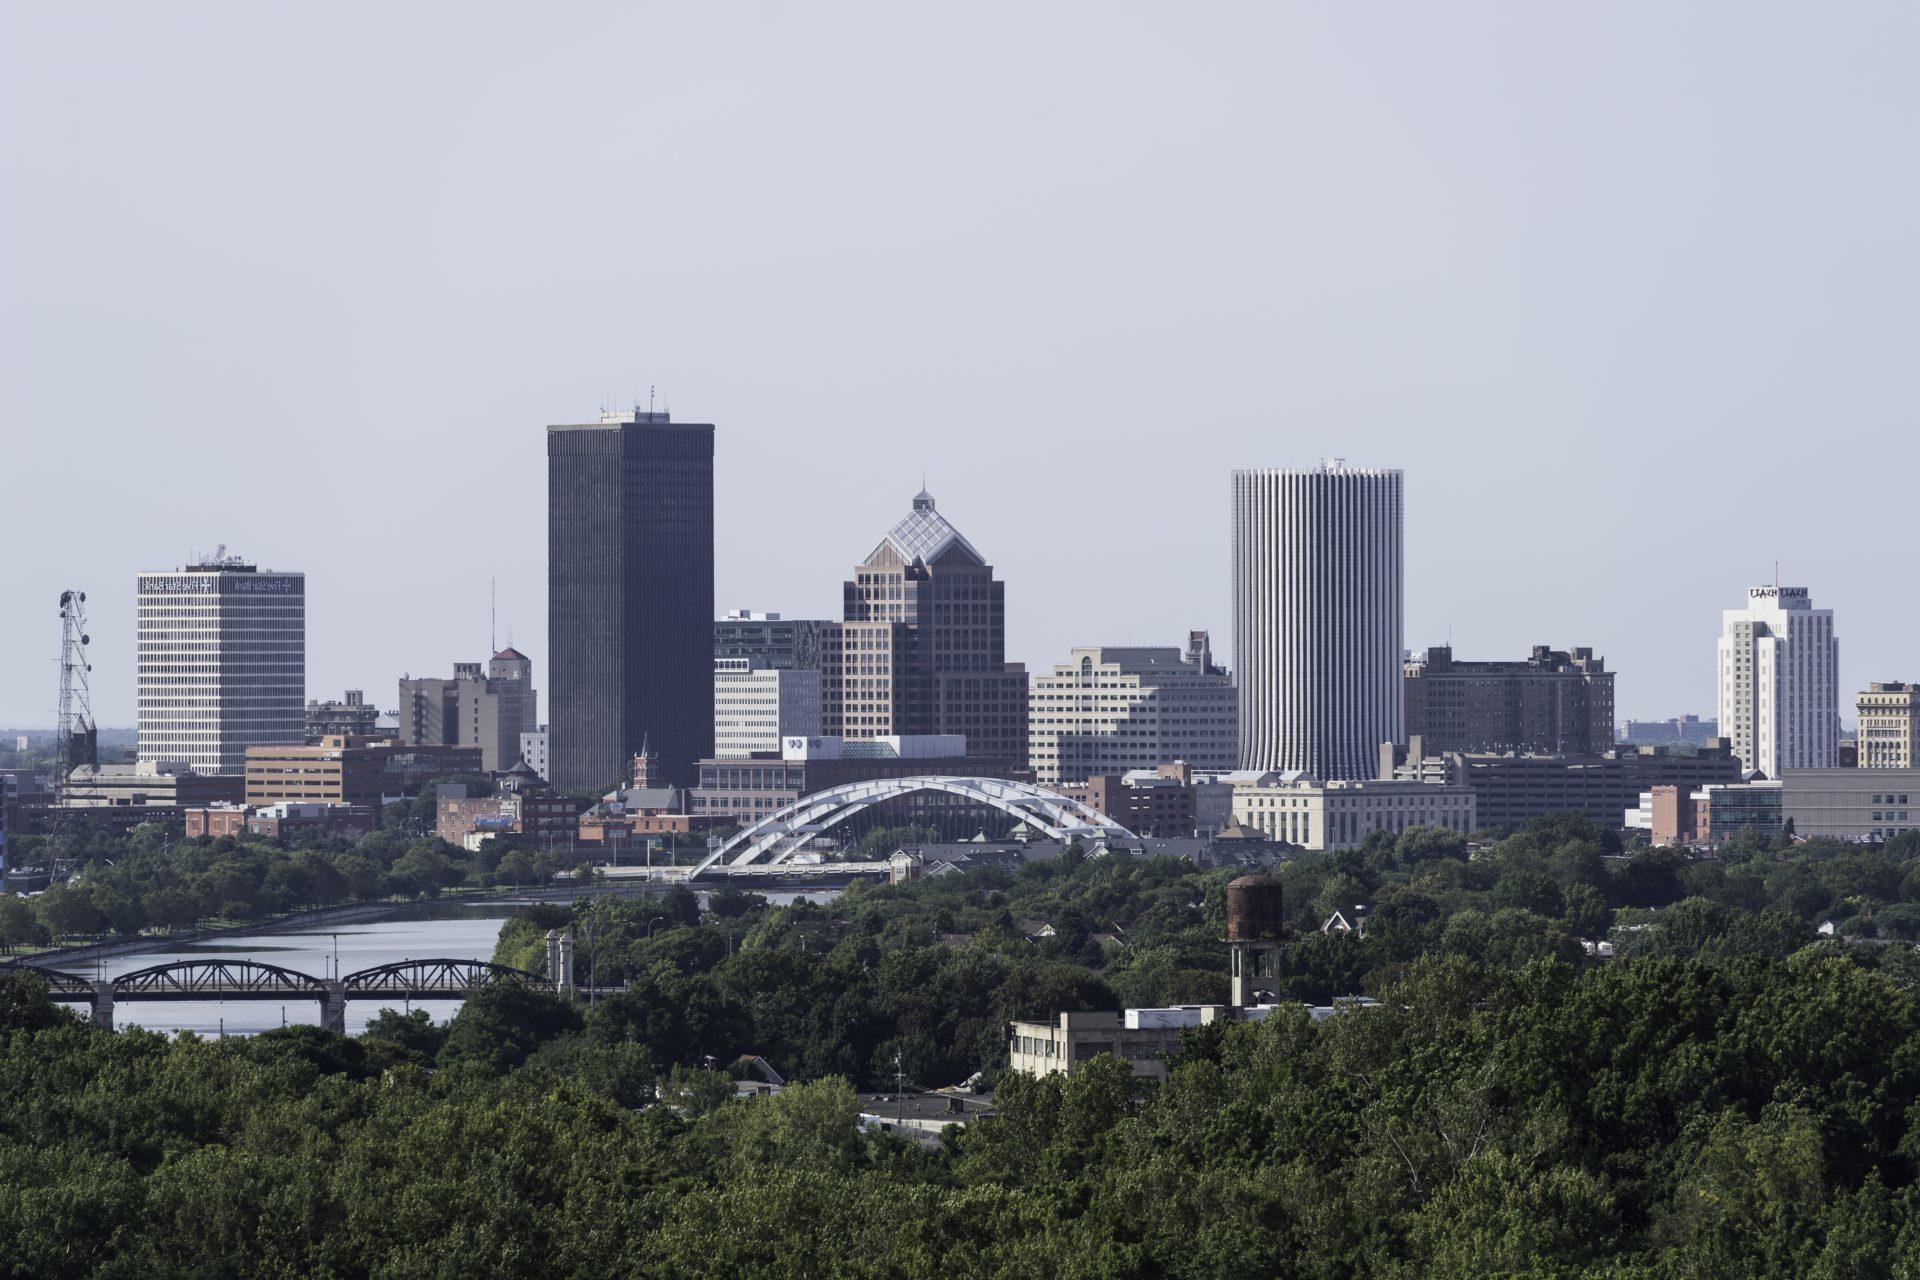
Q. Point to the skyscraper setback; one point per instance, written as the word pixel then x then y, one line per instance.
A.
pixel 630 597
pixel 922 649
pixel 222 663
pixel 1317 618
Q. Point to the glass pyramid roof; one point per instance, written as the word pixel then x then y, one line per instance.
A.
pixel 925 535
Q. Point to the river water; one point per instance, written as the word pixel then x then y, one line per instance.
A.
pixel 446 932
pixel 358 946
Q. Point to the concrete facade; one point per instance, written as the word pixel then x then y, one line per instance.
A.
pixel 489 709
pixel 1108 710
pixel 1851 804
pixel 1329 816
pixel 1512 790
pixel 1160 802
pixel 1889 736
pixel 147 785
pixel 1779 682
pixel 359 771
pixel 533 750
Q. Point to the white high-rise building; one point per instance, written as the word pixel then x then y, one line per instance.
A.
pixel 1111 710
pixel 1780 682
pixel 1317 618
pixel 755 706
pixel 223 663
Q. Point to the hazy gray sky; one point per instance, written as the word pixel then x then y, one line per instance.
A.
pixel 1628 290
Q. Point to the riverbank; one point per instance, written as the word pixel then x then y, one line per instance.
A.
pixel 320 918
pixel 354 913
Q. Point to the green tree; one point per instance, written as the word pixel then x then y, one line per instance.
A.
pixel 67 910
pixel 19 926
pixel 501 1024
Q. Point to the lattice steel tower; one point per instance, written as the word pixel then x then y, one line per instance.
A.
pixel 79 741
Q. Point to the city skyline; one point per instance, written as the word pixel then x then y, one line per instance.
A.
pixel 1498 648
pixel 1552 314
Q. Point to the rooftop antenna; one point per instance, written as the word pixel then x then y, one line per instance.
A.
pixel 493 614
pixel 650 391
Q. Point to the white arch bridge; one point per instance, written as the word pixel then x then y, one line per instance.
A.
pixel 790 828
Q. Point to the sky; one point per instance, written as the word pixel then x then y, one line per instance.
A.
pixel 1628 291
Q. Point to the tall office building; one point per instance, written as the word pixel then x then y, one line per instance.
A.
pixel 488 709
pixel 1317 631
pixel 922 649
pixel 1889 726
pixel 629 597
pixel 222 663
pixel 1779 682
pixel 1112 710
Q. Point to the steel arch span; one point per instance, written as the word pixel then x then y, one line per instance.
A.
pixel 185 979
pixel 423 979
pixel 786 830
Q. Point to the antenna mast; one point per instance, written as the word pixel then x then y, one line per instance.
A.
pixel 79 741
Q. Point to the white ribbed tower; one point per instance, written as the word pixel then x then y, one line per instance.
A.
pixel 1317 604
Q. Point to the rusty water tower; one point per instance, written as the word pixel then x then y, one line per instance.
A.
pixel 1256 925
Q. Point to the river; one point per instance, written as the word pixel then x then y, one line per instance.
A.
pixel 434 932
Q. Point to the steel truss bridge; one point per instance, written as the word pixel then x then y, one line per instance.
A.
pixel 789 829
pixel 250 980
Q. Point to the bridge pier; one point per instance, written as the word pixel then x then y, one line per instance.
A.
pixel 103 1005
pixel 333 1008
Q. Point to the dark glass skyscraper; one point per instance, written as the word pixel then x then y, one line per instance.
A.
pixel 629 597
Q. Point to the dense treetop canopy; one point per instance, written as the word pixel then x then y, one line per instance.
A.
pixel 1733 1096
